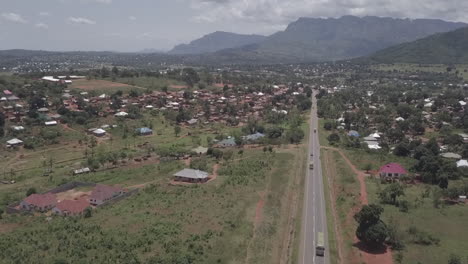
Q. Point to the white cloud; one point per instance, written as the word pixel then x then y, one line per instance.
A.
pixel 13 17
pixel 133 18
pixel 104 1
pixel 81 20
pixel 280 12
pixel 44 13
pixel 41 25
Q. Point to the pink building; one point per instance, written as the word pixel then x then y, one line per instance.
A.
pixel 392 171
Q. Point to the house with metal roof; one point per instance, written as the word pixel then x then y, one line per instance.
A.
pixel 191 175
pixel 14 142
pixel 254 137
pixel 144 131
pixel 226 143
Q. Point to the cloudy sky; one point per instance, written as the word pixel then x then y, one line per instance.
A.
pixel 133 25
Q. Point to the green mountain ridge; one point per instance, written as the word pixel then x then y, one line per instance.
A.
pixel 442 48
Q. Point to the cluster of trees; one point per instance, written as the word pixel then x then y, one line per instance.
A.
pixel 371 229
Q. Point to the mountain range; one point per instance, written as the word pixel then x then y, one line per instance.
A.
pixel 317 39
pixel 445 48
pixel 216 41
pixel 378 39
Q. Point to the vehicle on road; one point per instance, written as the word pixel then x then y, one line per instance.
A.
pixel 315 130
pixel 311 165
pixel 320 248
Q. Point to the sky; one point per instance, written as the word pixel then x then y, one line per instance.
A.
pixel 134 25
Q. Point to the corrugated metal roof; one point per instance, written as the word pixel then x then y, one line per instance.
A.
pixel 192 174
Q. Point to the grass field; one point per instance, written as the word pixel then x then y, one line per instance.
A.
pixel 219 222
pixel 100 86
pixel 153 83
pixel 447 223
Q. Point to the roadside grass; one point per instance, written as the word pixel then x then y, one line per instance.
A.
pixel 323 134
pixel 360 158
pixel 346 192
pixel 446 223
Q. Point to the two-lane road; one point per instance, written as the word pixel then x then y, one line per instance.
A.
pixel 314 213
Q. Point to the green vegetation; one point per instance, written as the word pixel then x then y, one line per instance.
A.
pixel 166 224
pixel 446 48
pixel 425 228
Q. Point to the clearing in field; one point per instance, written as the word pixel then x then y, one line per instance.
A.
pixel 99 85
pixel 73 194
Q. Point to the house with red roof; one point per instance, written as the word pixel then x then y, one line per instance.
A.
pixel 71 207
pixel 392 171
pixel 39 202
pixel 103 193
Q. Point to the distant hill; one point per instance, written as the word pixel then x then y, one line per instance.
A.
pixel 214 42
pixel 317 39
pixel 445 48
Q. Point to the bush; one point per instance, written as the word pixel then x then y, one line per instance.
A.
pixel 404 206
pixel 328 126
pixel 421 237
pixel 333 138
pixel 30 191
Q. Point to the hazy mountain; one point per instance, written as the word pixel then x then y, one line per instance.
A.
pixel 216 41
pixel 317 39
pixel 449 47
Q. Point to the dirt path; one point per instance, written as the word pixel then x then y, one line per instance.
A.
pixel 367 256
pixel 214 174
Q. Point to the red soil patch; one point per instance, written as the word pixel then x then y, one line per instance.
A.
pixel 259 210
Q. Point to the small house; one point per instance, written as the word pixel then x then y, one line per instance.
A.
pixel 71 207
pixel 192 122
pixel 14 142
pixel 99 132
pixel 81 171
pixel 353 133
pixel 462 164
pixel 121 114
pixel 254 137
pixel 450 155
pixel 39 202
pixel 227 143
pixel 191 175
pixel 200 150
pixel 392 171
pixel 104 193
pixel 144 131
pixel 51 123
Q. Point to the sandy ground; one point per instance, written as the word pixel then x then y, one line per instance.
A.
pixel 72 195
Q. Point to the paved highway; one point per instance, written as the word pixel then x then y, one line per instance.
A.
pixel 314 212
